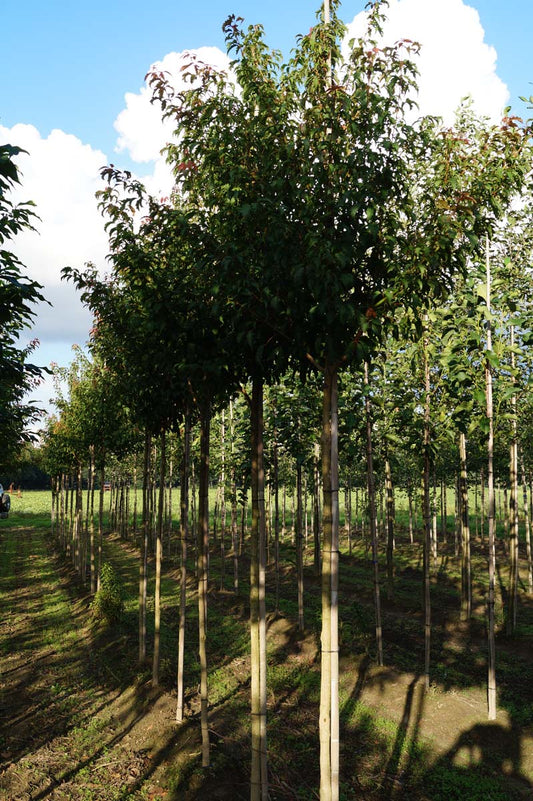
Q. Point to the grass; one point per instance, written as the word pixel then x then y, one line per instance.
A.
pixel 101 711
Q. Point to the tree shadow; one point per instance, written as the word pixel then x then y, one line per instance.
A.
pixel 484 762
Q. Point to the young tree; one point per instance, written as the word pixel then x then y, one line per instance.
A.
pixel 18 297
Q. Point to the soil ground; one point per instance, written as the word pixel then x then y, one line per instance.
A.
pixel 79 719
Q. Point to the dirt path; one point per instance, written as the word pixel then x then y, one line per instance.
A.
pixel 71 728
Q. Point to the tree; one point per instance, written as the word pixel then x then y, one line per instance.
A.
pixel 18 296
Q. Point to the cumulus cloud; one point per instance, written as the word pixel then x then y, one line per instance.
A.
pixel 454 62
pixel 61 175
pixel 141 132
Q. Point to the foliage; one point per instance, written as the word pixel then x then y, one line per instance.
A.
pixel 18 295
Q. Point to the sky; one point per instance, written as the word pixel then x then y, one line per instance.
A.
pixel 73 95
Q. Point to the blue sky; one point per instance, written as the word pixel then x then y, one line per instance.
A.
pixel 68 64
pixel 73 95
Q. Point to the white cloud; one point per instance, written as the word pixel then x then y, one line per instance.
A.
pixel 61 175
pixel 454 62
pixel 142 133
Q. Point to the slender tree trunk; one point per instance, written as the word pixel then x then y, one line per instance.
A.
pixel 466 571
pixel 158 559
pixel 434 540
pixel 168 516
pixel 305 516
pixel 73 520
pixel 184 531
pixel 316 510
pixel 390 530
pixel 62 512
pixel 491 683
pixel 259 778
pixel 90 513
pixel 410 503
pixel 284 512
pixel 427 517
pixel 329 695
pixel 234 536
pixel 372 518
pixel 299 546
pixel 293 518
pixel 276 515
pixel 222 499
pixel 194 516
pixel 457 515
pixel 81 541
pixel 527 526
pixel 53 510
pixel 244 515
pixel 99 555
pixel 443 510
pixel 135 501
pixel 513 507
pixel 482 489
pixel 143 562
pixel 476 507
pixel 505 515
pixel 203 552
pixel 349 514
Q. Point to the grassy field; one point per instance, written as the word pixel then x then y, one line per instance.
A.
pixel 86 724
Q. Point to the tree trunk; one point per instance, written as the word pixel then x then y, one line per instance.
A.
pixel 276 516
pixel 390 530
pixel 135 501
pixel 349 513
pixel 222 499
pixel 203 552
pixel 81 542
pixel 427 517
pixel 527 526
pixel 476 506
pixel 482 482
pixel 259 778
pixel 299 546
pixel 62 512
pixel 184 531
pixel 443 510
pixel 434 540
pixel 143 563
pixel 99 555
pixel 372 518
pixel 158 559
pixel 316 510
pixel 457 515
pixel 234 536
pixel 329 695
pixel 513 506
pixel 491 683
pixel 90 515
pixel 466 577
pixel 410 503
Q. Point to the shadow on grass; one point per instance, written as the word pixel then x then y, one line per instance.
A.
pixel 380 760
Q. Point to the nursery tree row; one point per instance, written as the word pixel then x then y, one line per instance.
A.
pixel 364 274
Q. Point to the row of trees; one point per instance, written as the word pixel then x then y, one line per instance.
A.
pixel 313 229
